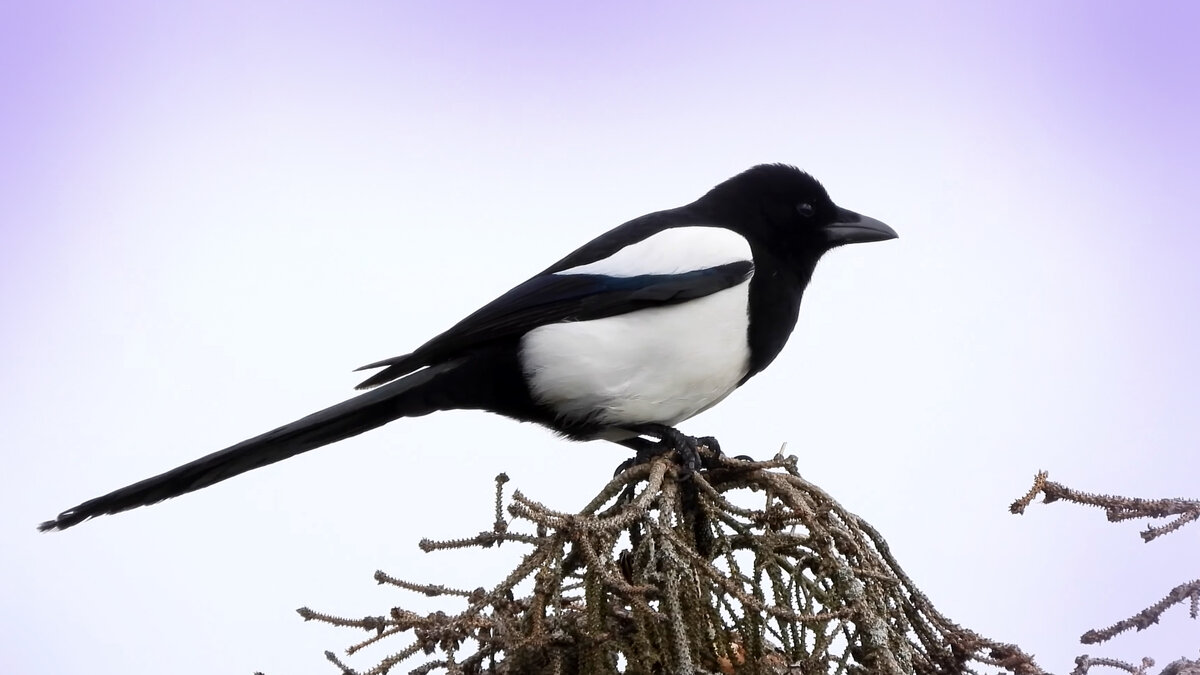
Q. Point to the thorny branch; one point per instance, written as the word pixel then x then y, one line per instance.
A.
pixel 1149 616
pixel 656 575
pixel 1117 509
pixel 1181 667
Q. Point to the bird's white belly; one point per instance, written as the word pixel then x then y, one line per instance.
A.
pixel 663 364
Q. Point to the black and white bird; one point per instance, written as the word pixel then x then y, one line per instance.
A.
pixel 636 331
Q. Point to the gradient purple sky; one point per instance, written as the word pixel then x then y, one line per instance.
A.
pixel 211 212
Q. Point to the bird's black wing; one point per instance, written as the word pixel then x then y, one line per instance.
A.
pixel 555 298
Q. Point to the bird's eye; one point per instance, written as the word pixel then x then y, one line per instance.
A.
pixel 805 209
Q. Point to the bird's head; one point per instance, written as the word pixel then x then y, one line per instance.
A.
pixel 781 208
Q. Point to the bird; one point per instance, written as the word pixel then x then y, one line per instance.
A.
pixel 623 339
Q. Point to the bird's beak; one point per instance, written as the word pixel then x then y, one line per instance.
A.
pixel 855 228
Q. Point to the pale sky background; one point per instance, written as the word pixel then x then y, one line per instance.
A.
pixel 212 212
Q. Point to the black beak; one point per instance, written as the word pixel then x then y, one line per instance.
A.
pixel 855 228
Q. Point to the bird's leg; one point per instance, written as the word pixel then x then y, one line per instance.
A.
pixel 668 440
pixel 646 450
pixel 672 438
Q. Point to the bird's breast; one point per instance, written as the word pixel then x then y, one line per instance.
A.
pixel 663 364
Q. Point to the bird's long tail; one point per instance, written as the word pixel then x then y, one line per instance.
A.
pixel 402 398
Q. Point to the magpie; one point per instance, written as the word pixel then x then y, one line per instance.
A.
pixel 638 330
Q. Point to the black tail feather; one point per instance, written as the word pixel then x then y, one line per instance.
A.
pixel 349 418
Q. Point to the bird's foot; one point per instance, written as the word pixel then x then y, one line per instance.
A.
pixel 670 439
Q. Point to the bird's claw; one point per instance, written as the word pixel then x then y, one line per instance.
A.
pixel 672 440
pixel 710 443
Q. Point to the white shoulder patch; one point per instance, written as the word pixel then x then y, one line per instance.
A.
pixel 672 251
